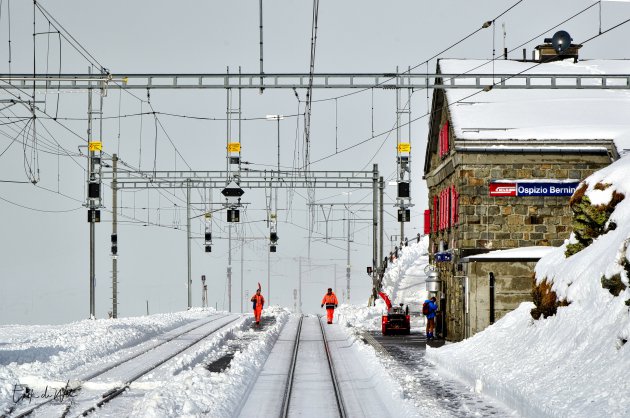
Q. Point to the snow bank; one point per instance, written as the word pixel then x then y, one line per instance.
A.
pixel 403 281
pixel 576 362
pixel 197 391
pixel 50 353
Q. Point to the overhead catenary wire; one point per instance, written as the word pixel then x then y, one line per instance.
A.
pixel 460 75
pixel 453 45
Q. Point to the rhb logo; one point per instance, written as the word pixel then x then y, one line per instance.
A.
pixel 502 189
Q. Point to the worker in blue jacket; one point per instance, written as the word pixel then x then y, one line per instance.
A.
pixel 429 308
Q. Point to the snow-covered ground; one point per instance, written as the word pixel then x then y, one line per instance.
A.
pixel 40 355
pixel 576 362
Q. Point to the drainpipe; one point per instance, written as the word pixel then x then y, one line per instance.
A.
pixel 491 298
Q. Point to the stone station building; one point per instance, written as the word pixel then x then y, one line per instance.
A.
pixel 501 165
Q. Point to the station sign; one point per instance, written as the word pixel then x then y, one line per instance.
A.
pixel 532 188
pixel 443 257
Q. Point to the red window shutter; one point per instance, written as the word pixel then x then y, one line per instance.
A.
pixel 452 197
pixel 445 192
pixel 443 208
pixel 440 208
pixel 446 137
pixel 427 221
pixel 449 209
pixel 456 216
pixel 435 213
pixel 443 140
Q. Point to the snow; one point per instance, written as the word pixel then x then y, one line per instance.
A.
pixel 541 114
pixel 404 281
pixel 46 354
pixel 197 391
pixel 574 363
pixel 367 388
pixel 534 252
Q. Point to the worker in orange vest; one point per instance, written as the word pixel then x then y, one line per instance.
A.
pixel 258 303
pixel 330 300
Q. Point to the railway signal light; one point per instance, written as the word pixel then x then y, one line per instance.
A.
pixel 208 243
pixel 114 240
pixel 94 215
pixel 233 215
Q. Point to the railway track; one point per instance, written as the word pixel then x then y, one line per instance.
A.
pixel 140 369
pixel 298 377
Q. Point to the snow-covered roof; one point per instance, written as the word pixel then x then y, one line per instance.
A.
pixel 539 114
pixel 523 253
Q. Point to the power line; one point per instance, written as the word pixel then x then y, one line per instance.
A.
pixel 484 26
pixel 486 88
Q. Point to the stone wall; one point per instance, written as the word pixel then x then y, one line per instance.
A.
pixel 513 285
pixel 489 223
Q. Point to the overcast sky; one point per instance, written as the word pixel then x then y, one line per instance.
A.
pixel 44 272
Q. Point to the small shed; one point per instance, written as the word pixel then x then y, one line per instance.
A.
pixel 496 283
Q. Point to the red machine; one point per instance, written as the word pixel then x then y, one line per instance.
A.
pixel 396 320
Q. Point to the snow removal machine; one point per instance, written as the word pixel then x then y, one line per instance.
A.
pixel 396 320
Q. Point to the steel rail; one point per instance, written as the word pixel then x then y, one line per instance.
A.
pixel 118 363
pixel 289 385
pixel 113 393
pixel 340 405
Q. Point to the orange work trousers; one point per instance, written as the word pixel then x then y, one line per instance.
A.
pixel 257 313
pixel 329 314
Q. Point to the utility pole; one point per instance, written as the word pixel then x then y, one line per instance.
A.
pixel 348 262
pixel 229 267
pixel 374 227
pixel 114 238
pixel 403 163
pixel 241 288
pixel 188 238
pixel 300 286
pixel 94 198
pixel 261 45
pixel 335 277
pixel 268 278
pixel 381 268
